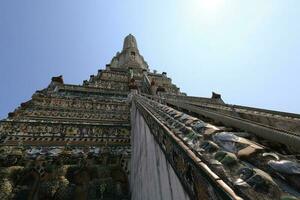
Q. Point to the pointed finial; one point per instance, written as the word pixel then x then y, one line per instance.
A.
pixel 129 42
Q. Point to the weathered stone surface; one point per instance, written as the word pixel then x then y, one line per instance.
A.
pixel 152 177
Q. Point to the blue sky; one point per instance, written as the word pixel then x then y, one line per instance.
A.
pixel 246 50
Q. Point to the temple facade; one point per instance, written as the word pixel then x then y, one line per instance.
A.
pixel 129 133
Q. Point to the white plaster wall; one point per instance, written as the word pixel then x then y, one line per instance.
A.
pixel 152 177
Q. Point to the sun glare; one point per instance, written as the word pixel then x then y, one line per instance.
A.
pixel 205 11
pixel 210 5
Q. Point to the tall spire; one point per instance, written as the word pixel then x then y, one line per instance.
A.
pixel 129 42
pixel 130 56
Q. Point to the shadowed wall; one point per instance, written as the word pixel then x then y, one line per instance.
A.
pixel 152 177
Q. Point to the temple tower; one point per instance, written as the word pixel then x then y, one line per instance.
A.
pixel 129 133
